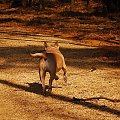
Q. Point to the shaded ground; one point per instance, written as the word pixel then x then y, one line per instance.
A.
pixel 93 72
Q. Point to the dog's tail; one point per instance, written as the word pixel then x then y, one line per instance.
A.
pixel 39 55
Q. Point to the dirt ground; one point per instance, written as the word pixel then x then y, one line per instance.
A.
pixel 93 64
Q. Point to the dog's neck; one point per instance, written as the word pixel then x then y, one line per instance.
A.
pixel 52 50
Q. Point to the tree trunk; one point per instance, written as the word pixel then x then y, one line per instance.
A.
pixel 41 4
pixel 29 3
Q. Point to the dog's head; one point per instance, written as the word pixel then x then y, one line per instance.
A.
pixel 52 48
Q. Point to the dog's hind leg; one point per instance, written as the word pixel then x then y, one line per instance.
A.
pixel 42 78
pixel 40 75
pixel 52 77
pixel 65 74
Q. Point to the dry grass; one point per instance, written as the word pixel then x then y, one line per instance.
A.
pixel 79 24
pixel 93 72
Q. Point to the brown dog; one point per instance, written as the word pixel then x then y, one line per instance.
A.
pixel 51 61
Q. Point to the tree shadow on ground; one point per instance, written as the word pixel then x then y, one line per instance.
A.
pixel 84 58
pixel 40 20
pixel 99 56
pixel 37 88
pixel 78 14
pixel 10 11
pixel 4 20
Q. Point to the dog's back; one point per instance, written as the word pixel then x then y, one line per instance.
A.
pixel 57 55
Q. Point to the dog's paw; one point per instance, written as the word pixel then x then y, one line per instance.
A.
pixel 56 77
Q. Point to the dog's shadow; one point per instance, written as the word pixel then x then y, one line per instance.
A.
pixel 37 88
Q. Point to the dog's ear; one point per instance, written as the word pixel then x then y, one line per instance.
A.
pixel 45 44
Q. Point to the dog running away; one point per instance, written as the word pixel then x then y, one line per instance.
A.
pixel 51 61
